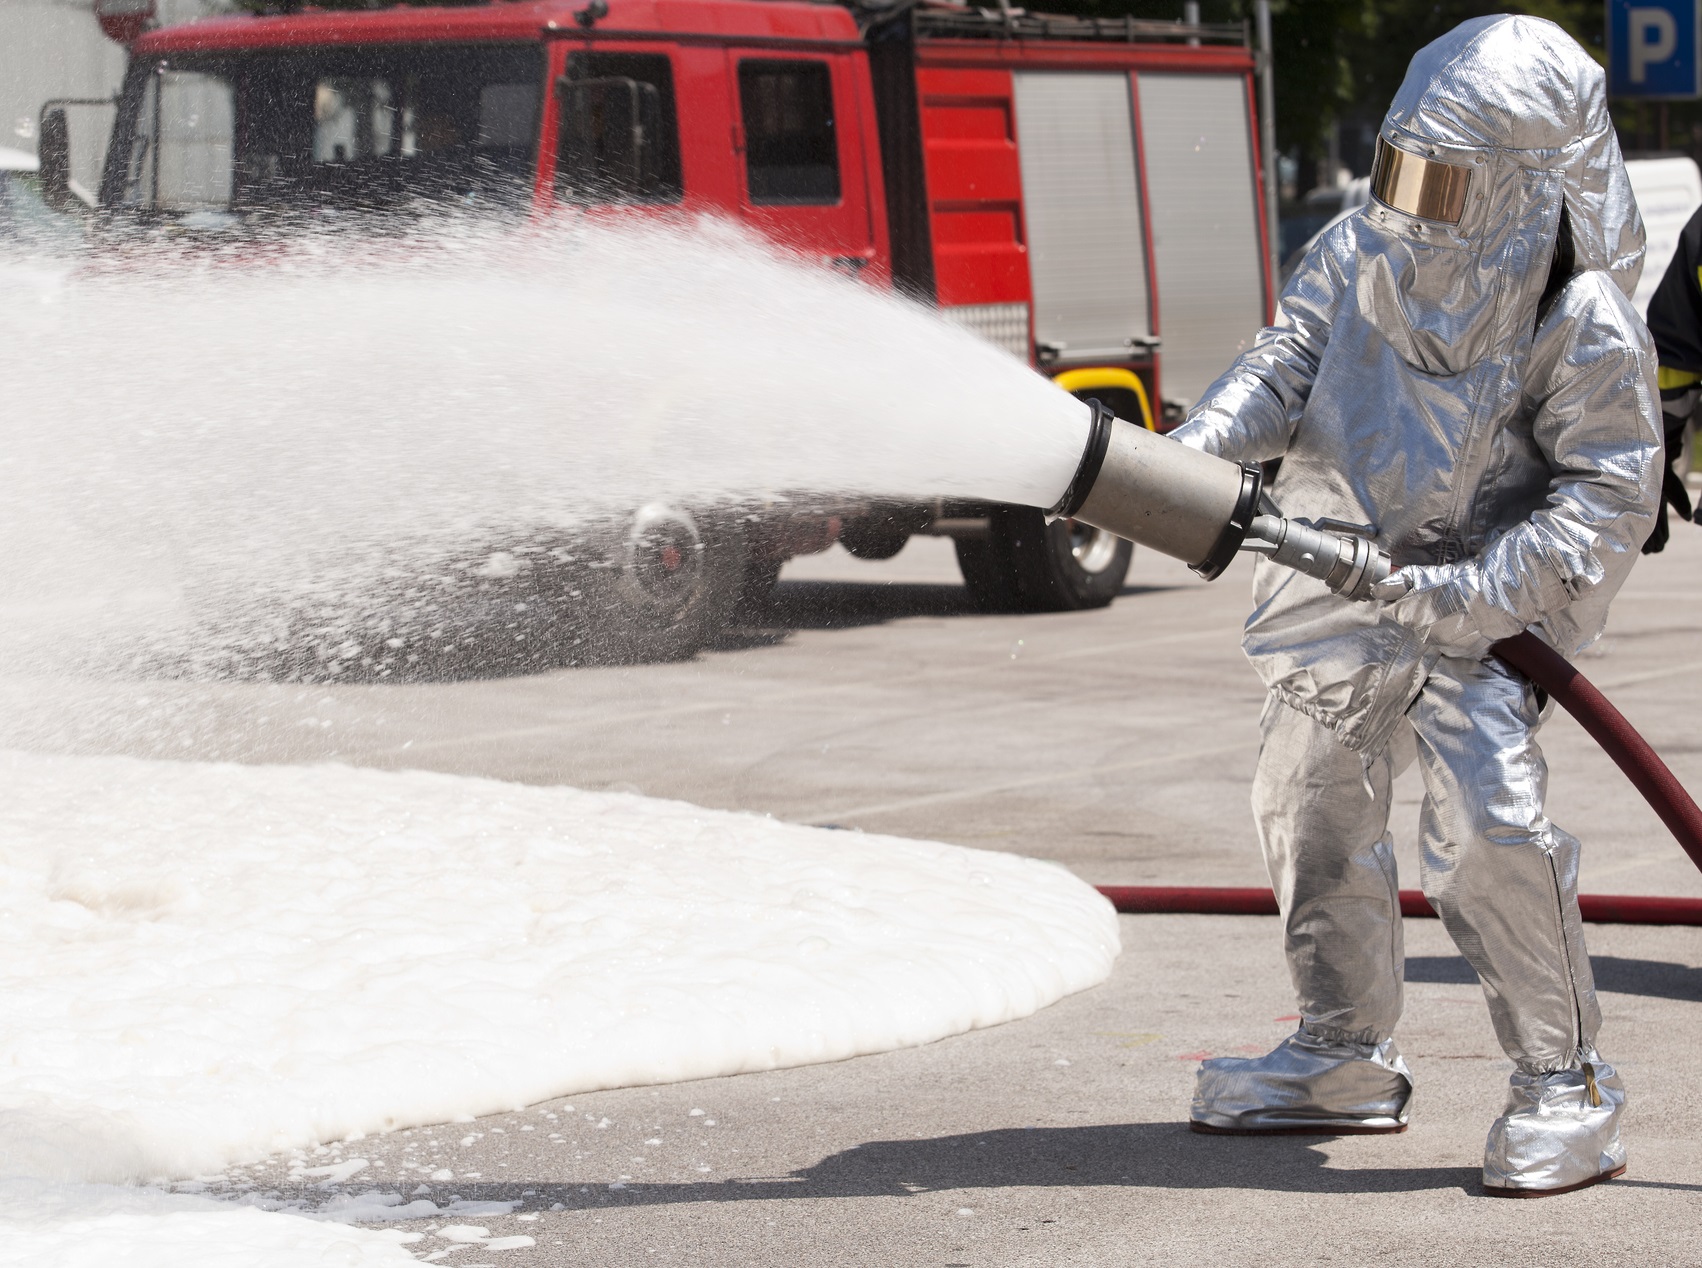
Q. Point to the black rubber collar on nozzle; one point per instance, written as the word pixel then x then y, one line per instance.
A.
pixel 1240 520
pixel 1092 459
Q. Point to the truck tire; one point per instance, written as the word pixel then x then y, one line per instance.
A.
pixel 670 585
pixel 1025 564
pixel 875 537
pixel 1065 565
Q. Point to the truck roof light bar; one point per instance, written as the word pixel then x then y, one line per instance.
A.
pixel 959 21
pixel 938 18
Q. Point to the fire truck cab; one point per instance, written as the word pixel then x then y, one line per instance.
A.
pixel 1084 193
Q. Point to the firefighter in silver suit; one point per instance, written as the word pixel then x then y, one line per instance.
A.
pixel 1457 373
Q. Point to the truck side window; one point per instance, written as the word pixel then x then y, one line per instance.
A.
pixel 180 158
pixel 791 156
pixel 321 128
pixel 620 133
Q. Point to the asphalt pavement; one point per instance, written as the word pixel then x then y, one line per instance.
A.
pixel 1120 743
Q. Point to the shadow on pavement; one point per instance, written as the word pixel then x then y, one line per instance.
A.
pixel 1126 1156
pixel 1136 1155
pixel 833 605
pixel 1656 979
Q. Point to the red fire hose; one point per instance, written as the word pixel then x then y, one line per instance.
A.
pixel 1211 900
pixel 1606 725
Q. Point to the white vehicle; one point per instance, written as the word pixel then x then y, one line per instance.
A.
pixel 27 220
pixel 18 185
pixel 1353 195
pixel 1668 190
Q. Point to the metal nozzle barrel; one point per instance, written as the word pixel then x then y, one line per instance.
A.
pixel 1202 509
pixel 1148 488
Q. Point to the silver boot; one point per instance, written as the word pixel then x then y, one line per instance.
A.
pixel 1560 1132
pixel 1306 1085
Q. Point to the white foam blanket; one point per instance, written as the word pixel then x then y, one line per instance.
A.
pixel 44 1225
pixel 202 963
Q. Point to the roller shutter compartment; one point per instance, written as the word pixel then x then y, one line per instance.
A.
pixel 1202 195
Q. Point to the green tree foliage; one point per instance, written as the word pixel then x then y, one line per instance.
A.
pixel 1346 58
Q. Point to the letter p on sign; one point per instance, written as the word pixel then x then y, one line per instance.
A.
pixel 1654 38
pixel 1653 48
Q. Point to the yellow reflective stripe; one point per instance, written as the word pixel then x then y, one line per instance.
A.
pixel 1676 378
pixel 1077 382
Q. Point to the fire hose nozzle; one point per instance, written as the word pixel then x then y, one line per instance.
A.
pixel 1203 509
pixel 1338 555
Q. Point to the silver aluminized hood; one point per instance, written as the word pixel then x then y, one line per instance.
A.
pixel 1517 101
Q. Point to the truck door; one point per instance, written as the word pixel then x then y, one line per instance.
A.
pixel 1081 202
pixel 795 129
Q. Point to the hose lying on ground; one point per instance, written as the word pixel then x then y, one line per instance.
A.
pixel 1216 900
pixel 1606 725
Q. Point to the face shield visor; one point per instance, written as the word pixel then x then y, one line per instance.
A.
pixel 1419 186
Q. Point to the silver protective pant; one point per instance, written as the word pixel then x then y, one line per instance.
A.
pixel 1504 881
pixel 1502 877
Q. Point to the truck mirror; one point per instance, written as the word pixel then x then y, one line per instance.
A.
pixel 53 148
pixel 608 131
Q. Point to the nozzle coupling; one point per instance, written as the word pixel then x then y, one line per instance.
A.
pixel 1335 554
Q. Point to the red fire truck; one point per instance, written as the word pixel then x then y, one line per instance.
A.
pixel 1083 192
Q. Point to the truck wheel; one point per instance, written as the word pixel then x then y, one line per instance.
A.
pixel 1066 565
pixel 873 539
pixel 672 581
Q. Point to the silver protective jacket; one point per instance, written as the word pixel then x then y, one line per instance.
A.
pixel 1499 436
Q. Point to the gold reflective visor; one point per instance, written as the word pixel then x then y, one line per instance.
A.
pixel 1419 186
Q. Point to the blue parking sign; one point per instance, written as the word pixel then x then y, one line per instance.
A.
pixel 1653 48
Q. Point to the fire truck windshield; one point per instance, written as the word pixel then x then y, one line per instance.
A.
pixel 352 127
